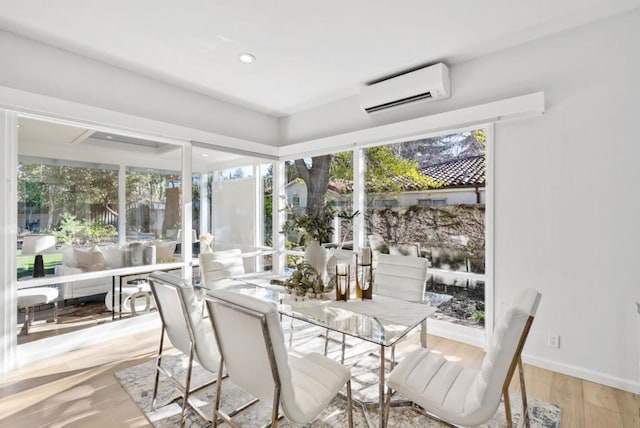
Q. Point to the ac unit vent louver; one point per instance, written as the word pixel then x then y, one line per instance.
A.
pixel 426 83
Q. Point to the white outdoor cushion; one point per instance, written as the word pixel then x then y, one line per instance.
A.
pixel 114 256
pixel 28 297
pixel 67 257
pixel 89 260
pixel 165 250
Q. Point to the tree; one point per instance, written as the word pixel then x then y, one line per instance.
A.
pixel 316 174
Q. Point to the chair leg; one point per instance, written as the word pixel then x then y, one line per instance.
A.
pixel 393 356
pixel 185 397
pixel 349 405
pixel 423 334
pixel 158 361
pixel 291 332
pixel 27 321
pixel 326 342
pixel 523 391
pixel 507 406
pixel 276 405
pixel 343 345
pixel 387 406
pixel 216 404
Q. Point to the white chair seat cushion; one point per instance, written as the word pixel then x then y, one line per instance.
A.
pixel 28 297
pixel 316 380
pixel 438 385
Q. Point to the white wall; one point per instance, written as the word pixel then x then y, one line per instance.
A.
pixel 35 67
pixel 566 214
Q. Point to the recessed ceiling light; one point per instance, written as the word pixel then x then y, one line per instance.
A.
pixel 204 155
pixel 109 137
pixel 246 57
pixel 18 126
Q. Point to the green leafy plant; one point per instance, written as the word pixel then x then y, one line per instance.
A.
pixel 305 278
pixel 478 316
pixel 313 227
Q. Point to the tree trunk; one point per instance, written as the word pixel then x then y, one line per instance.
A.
pixel 316 179
pixel 172 213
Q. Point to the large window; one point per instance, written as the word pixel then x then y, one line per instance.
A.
pixel 426 198
pixel 154 208
pixel 67 203
pixel 423 198
pixel 313 187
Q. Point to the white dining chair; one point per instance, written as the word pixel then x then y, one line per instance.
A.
pixel 181 315
pixel 218 266
pixel 465 396
pixel 404 278
pixel 253 353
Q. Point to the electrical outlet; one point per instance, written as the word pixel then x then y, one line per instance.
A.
pixel 553 341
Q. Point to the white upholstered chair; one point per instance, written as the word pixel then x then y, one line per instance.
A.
pixel 181 315
pixel 218 266
pixel 253 353
pixel 402 277
pixel 465 396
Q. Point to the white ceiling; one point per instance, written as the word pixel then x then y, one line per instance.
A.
pixel 308 53
pixel 45 139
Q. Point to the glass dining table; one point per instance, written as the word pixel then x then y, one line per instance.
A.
pixel 382 321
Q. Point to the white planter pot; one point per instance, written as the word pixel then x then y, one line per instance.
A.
pixel 316 256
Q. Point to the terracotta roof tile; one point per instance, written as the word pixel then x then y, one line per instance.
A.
pixel 460 172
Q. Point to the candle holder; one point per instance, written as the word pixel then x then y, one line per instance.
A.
pixel 366 281
pixel 343 277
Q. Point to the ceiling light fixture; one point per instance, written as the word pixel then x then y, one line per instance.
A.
pixel 204 155
pixel 246 57
pixel 109 137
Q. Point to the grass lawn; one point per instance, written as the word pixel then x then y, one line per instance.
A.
pixel 25 264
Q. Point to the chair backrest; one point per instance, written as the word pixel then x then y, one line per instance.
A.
pixel 401 277
pixel 217 266
pixel 181 315
pixel 251 342
pixel 504 351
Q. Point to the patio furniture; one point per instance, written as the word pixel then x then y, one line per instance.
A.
pixel 181 315
pixel 29 298
pixel 254 355
pixel 465 396
pixel 131 296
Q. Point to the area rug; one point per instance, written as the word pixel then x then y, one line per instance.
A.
pixel 138 382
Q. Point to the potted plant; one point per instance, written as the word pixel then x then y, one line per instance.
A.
pixel 304 279
pixel 316 229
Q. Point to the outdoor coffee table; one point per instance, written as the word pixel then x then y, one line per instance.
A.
pixel 382 321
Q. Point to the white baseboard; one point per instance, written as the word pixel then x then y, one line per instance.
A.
pixel 582 373
pixel 476 337
pixel 57 345
pixel 459 333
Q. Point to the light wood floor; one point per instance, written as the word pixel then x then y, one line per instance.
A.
pixel 78 389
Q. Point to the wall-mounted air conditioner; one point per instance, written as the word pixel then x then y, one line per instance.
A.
pixel 428 83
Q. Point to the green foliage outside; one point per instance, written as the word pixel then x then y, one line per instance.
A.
pixel 313 227
pixel 74 231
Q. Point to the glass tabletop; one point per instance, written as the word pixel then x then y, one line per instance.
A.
pixel 382 320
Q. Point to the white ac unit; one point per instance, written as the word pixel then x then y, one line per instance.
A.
pixel 425 83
